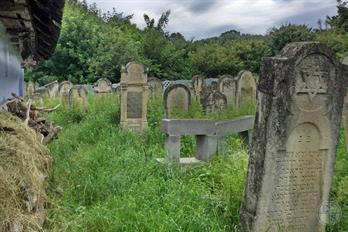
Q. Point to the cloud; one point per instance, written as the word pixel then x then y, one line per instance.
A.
pixel 205 18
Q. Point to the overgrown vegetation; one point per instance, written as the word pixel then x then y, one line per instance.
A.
pixel 95 45
pixel 106 178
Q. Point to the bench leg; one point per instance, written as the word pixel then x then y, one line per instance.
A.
pixel 172 148
pixel 206 147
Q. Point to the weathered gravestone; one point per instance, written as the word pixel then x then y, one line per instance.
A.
pixel 155 86
pixel 294 141
pixel 246 89
pixel 198 86
pixel 134 95
pixel 30 88
pixel 78 96
pixel 102 86
pixel 228 86
pixel 213 99
pixel 52 88
pixel 177 98
pixel 345 110
pixel 64 89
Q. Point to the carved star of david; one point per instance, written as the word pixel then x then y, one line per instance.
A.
pixel 312 83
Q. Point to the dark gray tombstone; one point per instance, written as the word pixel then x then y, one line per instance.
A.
pixel 294 141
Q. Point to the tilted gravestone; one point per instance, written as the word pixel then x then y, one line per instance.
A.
pixel 52 88
pixel 198 86
pixel 294 141
pixel 177 98
pixel 214 100
pixel 78 97
pixel 64 89
pixel 246 89
pixel 102 86
pixel 134 96
pixel 345 110
pixel 228 86
pixel 155 86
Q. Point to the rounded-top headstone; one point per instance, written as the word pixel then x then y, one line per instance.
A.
pixel 155 86
pixel 134 72
pixel 228 86
pixel 345 61
pixel 246 88
pixel 103 85
pixel 177 97
pixel 64 88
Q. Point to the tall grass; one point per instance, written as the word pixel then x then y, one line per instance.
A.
pixel 105 178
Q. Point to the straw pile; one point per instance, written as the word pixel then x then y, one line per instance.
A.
pixel 24 166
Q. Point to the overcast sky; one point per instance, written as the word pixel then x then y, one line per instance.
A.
pixel 207 18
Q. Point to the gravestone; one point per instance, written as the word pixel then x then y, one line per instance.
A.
pixel 155 87
pixel 228 86
pixel 52 88
pixel 177 98
pixel 30 88
pixel 78 96
pixel 198 86
pixel 246 89
pixel 345 110
pixel 64 89
pixel 102 86
pixel 134 95
pixel 294 141
pixel 213 99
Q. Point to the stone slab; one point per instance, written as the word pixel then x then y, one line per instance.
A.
pixel 188 126
pixel 225 128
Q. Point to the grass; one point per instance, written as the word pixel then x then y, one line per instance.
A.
pixel 106 178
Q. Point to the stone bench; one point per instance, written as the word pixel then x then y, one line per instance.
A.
pixel 210 136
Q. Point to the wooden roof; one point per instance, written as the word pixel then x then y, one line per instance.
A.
pixel 32 25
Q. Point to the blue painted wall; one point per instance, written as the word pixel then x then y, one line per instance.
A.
pixel 11 73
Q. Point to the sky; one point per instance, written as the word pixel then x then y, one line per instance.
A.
pixel 207 18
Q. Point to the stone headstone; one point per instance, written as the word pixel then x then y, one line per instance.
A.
pixel 198 86
pixel 214 100
pixel 228 86
pixel 246 89
pixel 155 87
pixel 53 89
pixel 30 88
pixel 134 96
pixel 78 96
pixel 177 98
pixel 102 86
pixel 294 141
pixel 345 110
pixel 64 89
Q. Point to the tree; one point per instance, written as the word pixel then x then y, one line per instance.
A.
pixel 340 21
pixel 161 24
pixel 288 33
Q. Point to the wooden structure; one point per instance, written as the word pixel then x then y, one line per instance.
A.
pixel 33 26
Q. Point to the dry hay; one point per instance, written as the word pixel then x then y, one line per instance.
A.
pixel 24 165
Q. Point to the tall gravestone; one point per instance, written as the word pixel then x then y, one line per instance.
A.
pixel 155 86
pixel 214 100
pixel 246 89
pixel 64 89
pixel 52 88
pixel 78 96
pixel 177 98
pixel 294 141
pixel 102 86
pixel 345 110
pixel 228 86
pixel 134 96
pixel 198 86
